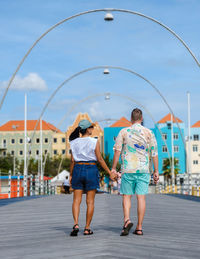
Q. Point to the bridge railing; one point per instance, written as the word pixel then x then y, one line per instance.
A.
pixel 185 184
pixel 12 186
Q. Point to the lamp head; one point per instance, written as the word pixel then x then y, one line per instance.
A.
pixel 108 17
pixel 106 71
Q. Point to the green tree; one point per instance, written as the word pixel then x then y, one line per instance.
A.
pixel 167 168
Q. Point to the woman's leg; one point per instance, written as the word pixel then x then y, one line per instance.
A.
pixel 76 205
pixel 90 196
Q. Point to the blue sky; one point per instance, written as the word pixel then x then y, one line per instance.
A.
pixel 129 41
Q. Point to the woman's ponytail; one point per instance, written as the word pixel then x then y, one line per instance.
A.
pixel 75 134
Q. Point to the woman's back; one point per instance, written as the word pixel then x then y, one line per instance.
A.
pixel 83 149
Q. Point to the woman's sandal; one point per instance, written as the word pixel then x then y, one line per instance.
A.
pixel 89 232
pixel 125 230
pixel 138 230
pixel 75 231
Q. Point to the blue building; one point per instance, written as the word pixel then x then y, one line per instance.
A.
pixel 110 134
pixel 179 152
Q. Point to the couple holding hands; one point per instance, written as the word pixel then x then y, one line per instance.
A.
pixel 136 144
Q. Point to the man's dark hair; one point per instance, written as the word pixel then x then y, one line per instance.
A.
pixel 136 114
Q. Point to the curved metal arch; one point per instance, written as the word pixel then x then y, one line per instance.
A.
pixel 87 12
pixel 97 95
pixel 104 67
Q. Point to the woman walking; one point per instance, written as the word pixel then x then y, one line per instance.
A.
pixel 84 175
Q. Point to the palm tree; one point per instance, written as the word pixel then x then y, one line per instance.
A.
pixel 167 168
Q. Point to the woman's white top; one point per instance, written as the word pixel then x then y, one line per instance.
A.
pixel 83 149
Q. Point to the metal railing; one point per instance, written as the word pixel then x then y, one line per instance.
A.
pixel 185 184
pixel 13 186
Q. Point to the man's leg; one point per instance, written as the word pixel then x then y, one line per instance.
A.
pixel 126 207
pixel 90 196
pixel 76 205
pixel 141 207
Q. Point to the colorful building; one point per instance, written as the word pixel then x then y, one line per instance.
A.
pixel 12 139
pixel 110 134
pixel 97 132
pixel 165 126
pixel 194 147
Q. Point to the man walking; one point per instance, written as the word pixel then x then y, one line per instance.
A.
pixel 135 144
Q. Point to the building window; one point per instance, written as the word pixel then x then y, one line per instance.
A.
pixel 55 152
pixel 196 137
pixel 45 151
pixel 21 140
pixel 63 151
pixel 195 148
pixel 29 152
pixel 37 140
pixel 169 125
pixel 175 136
pixel 63 140
pixel 12 152
pixel 46 140
pixel 4 153
pixel 21 152
pixel 176 149
pixel 12 141
pixel 37 152
pixel 164 136
pixel 55 140
pixel 164 149
pixel 195 162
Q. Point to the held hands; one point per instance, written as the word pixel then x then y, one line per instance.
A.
pixel 113 175
pixel 156 176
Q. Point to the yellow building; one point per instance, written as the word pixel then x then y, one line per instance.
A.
pixel 97 132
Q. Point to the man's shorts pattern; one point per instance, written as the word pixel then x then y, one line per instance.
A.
pixel 85 177
pixel 132 183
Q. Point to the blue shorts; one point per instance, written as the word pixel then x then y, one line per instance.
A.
pixel 85 177
pixel 132 183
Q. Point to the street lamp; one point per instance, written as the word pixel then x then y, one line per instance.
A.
pixel 108 17
pixel 14 156
pixel 106 71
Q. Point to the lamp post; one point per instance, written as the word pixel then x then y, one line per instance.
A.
pixel 189 148
pixel 14 156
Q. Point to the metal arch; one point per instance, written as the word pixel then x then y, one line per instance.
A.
pixel 103 67
pixel 97 95
pixel 87 12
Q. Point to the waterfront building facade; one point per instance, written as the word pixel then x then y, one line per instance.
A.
pixel 12 139
pixel 165 126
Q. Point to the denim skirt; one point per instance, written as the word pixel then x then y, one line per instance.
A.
pixel 85 177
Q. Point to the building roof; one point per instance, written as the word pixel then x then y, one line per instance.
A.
pixel 196 125
pixel 122 122
pixel 168 118
pixel 19 124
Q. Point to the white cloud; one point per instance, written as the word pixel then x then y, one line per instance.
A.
pixel 31 82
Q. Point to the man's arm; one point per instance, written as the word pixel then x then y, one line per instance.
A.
pixel 155 173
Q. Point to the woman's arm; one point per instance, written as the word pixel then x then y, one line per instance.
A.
pixel 71 168
pixel 102 162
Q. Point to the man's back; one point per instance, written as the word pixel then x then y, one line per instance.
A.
pixel 136 143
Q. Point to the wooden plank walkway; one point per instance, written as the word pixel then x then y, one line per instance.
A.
pixel 39 228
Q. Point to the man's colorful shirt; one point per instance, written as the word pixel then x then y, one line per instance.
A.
pixel 136 144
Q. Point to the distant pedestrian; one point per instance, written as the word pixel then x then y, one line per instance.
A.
pixel 66 185
pixel 84 175
pixel 135 143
